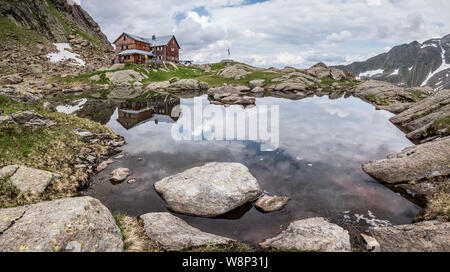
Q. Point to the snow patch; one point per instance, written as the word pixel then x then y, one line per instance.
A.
pixel 443 67
pixel 370 73
pixel 63 55
pixel 429 45
pixel 395 72
pixel 74 2
pixel 71 109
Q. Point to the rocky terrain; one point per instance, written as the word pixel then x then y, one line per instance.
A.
pixel 52 147
pixel 409 65
pixel 32 31
pixel 420 173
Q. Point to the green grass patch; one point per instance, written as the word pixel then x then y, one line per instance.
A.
pixel 53 149
pixel 58 16
pixel 439 206
pixel 378 100
pixel 439 127
pixel 23 35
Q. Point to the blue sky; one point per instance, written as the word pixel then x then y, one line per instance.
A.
pixel 277 32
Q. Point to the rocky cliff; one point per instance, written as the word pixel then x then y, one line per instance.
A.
pixel 31 28
pixel 409 65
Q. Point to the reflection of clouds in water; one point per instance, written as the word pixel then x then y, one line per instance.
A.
pixel 344 129
pixel 323 143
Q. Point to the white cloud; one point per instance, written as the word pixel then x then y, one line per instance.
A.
pixel 277 32
pixel 339 37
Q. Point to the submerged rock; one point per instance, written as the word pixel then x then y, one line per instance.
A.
pixel 74 224
pixel 272 203
pixel 210 190
pixel 174 234
pixel 120 174
pixel 314 234
pixel 430 236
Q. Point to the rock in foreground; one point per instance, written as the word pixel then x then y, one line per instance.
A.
pixel 73 224
pixel 210 190
pixel 417 171
pixel 430 236
pixel 414 163
pixel 314 234
pixel 174 234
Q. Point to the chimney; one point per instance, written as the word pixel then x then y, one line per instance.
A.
pixel 153 37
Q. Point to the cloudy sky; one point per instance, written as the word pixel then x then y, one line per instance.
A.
pixel 277 32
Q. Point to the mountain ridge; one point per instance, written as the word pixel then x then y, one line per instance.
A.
pixel 409 65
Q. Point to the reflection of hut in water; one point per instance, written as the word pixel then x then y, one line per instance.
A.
pixel 160 110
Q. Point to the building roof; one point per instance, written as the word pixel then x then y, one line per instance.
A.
pixel 158 41
pixel 137 38
pixel 135 51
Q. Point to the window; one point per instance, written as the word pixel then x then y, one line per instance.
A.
pixel 173 49
pixel 124 38
pixel 121 47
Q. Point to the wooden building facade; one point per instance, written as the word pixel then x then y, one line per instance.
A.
pixel 135 49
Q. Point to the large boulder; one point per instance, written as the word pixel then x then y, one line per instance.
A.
pixel 416 170
pixel 189 85
pixel 314 234
pixel 174 234
pixel 210 190
pixel 74 224
pixel 430 236
pixel 234 71
pixel 124 77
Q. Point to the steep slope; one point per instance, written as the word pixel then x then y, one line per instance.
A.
pixel 409 65
pixel 30 28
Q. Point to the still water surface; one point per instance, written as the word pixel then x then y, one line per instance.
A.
pixel 323 144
